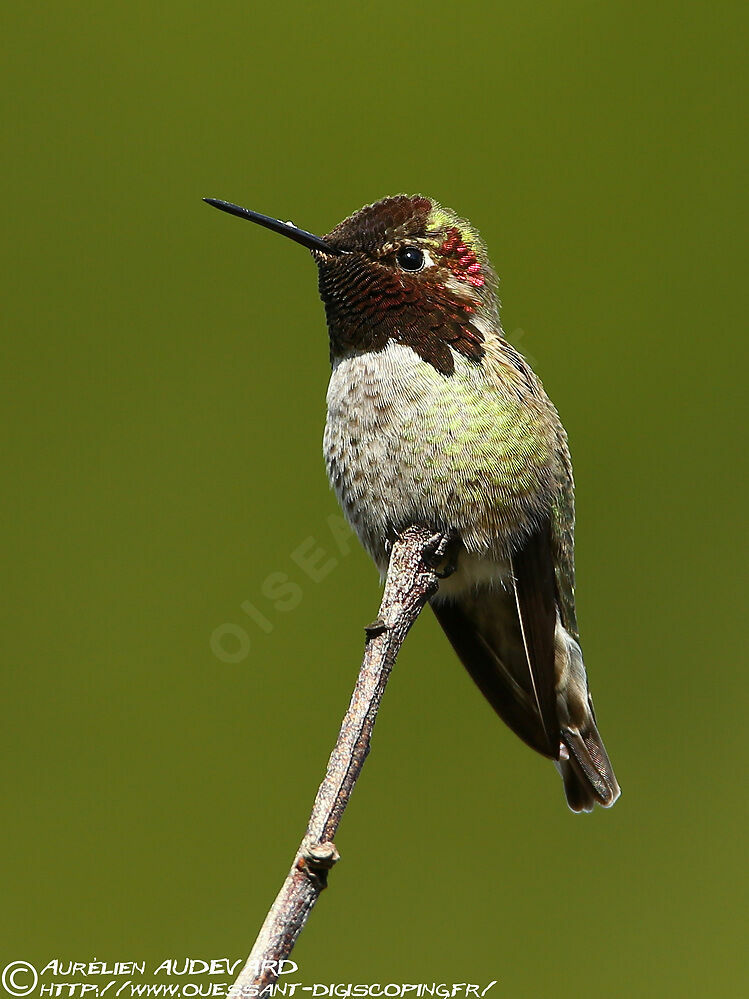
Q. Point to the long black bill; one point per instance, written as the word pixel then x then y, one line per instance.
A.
pixel 307 239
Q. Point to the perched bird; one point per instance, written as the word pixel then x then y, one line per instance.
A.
pixel 435 419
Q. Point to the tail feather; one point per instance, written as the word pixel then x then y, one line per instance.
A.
pixel 583 761
pixel 586 770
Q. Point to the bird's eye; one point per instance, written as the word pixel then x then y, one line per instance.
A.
pixel 410 258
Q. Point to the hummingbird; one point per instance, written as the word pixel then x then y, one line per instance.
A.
pixel 434 419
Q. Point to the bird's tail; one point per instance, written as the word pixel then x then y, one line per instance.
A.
pixel 583 761
pixel 586 770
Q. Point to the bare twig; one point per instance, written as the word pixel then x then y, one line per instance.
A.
pixel 411 580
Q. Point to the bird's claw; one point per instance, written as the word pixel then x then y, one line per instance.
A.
pixel 439 553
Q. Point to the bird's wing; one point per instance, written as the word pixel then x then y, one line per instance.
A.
pixel 535 599
pixel 505 639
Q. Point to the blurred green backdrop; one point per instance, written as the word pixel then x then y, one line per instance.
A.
pixel 165 374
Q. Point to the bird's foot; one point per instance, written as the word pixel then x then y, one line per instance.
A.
pixel 440 553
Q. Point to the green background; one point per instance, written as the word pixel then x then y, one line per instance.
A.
pixel 164 377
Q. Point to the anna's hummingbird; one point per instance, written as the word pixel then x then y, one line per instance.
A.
pixel 435 419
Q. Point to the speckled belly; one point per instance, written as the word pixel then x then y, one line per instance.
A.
pixel 404 444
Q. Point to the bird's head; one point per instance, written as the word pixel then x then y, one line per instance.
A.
pixel 402 269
